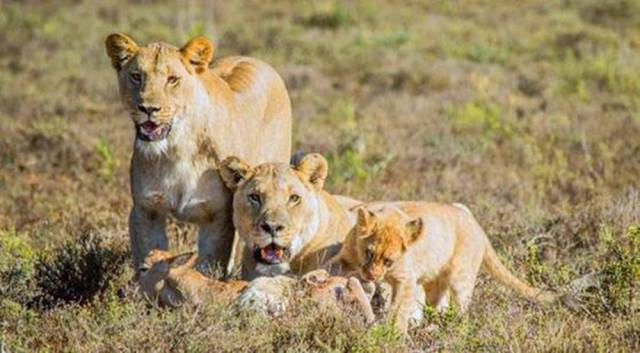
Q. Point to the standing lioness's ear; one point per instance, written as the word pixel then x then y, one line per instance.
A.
pixel 234 171
pixel 198 53
pixel 120 48
pixel 314 168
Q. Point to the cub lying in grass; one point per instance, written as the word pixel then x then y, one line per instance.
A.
pixel 438 246
pixel 172 281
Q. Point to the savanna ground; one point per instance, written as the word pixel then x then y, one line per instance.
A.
pixel 527 111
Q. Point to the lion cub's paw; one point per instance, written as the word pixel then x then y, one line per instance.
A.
pixel 315 277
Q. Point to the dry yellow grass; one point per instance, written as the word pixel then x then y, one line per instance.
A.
pixel 527 111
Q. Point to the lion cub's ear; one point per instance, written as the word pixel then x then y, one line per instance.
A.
pixel 365 221
pixel 198 52
pixel 180 264
pixel 414 229
pixel 187 259
pixel 235 171
pixel 120 48
pixel 314 168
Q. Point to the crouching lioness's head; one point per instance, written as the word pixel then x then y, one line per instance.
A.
pixel 159 84
pixel 275 207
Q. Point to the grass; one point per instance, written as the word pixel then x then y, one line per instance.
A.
pixel 528 112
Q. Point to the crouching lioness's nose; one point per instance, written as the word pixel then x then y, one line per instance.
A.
pixel 272 228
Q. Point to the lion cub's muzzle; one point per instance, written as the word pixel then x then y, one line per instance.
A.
pixel 151 131
pixel 271 254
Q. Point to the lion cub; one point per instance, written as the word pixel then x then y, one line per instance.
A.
pixel 171 280
pixel 437 246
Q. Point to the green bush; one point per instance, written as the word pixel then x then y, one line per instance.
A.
pixel 621 282
pixel 77 271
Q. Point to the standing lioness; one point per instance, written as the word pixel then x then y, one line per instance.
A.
pixel 187 117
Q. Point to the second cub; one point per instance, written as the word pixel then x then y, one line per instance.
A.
pixel 437 246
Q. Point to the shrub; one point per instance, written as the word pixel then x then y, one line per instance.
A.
pixel 621 274
pixel 77 271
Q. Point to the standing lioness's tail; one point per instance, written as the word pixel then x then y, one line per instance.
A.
pixel 495 267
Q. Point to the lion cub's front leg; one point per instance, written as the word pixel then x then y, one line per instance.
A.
pixel 146 232
pixel 402 303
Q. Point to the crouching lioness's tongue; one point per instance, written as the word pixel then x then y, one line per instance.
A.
pixel 272 254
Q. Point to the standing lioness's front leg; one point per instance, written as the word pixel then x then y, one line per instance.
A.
pixel 147 231
pixel 215 242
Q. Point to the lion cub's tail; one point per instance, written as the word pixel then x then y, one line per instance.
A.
pixel 494 266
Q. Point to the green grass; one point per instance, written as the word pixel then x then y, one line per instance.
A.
pixel 526 111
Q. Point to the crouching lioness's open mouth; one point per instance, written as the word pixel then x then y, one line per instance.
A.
pixel 271 254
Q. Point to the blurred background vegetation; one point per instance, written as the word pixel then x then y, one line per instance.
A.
pixel 527 111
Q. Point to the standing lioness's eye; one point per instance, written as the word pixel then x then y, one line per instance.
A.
pixel 173 80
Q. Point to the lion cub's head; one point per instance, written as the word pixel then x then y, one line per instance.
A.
pixel 156 270
pixel 158 84
pixel 275 205
pixel 381 242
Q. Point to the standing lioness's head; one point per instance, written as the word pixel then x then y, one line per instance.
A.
pixel 158 83
pixel 275 205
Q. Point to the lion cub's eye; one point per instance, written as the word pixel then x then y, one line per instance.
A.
pixel 254 199
pixel 173 80
pixel 135 78
pixel 294 199
pixel 388 262
pixel 368 254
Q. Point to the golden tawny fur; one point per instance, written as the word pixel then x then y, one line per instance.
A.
pixel 171 280
pixel 437 246
pixel 338 292
pixel 283 215
pixel 187 117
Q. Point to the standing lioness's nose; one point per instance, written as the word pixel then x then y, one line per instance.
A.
pixel 148 109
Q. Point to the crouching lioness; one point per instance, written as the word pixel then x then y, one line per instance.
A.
pixel 187 117
pixel 283 215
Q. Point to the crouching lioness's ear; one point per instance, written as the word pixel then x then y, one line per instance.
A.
pixel 120 49
pixel 234 172
pixel 314 168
